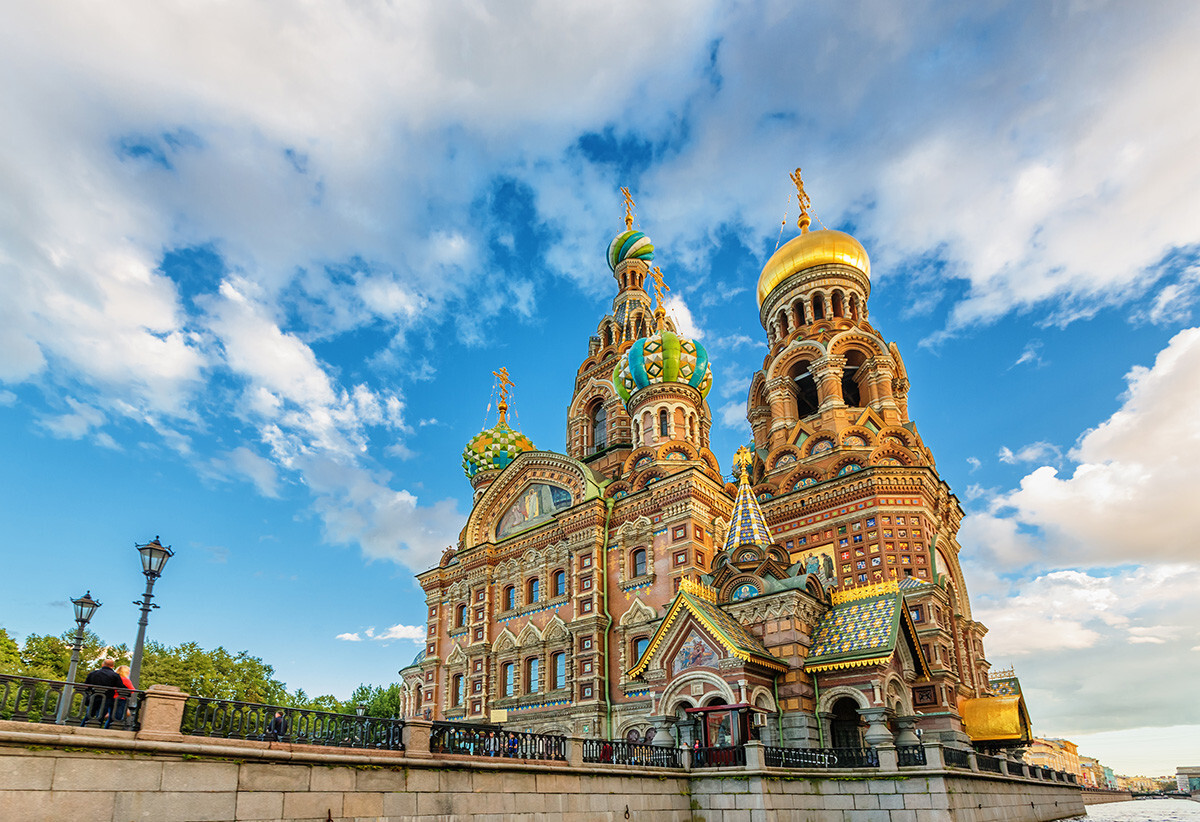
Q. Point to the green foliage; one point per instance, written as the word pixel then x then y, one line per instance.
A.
pixel 218 674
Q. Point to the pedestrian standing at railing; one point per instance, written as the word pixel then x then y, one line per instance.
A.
pixel 278 727
pixel 102 685
pixel 121 697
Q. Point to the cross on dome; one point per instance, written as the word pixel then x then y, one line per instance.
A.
pixel 629 204
pixel 803 221
pixel 503 383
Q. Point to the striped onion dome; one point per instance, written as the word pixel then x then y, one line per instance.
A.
pixel 629 244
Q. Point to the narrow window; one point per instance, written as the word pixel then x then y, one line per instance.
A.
pixel 639 647
pixel 457 690
pixel 509 679
pixel 558 670
pixel 638 563
pixel 664 424
pixel 560 583
pixel 510 598
pixel 600 428
pixel 533 591
pixel 460 616
pixel 531 675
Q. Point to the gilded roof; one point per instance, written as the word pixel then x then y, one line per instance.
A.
pixel 995 718
pixel 808 250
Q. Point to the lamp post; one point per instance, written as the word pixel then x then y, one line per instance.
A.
pixel 85 606
pixel 154 556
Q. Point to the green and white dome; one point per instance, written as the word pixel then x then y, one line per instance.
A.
pixel 662 357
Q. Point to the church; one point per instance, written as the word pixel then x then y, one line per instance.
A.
pixel 627 589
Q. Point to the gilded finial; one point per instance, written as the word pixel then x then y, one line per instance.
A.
pixel 743 458
pixel 803 221
pixel 660 313
pixel 503 383
pixel 629 204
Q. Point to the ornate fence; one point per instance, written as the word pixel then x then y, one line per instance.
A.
pixel 488 740
pixel 227 719
pixel 957 758
pixel 908 755
pixel 988 763
pixel 821 757
pixel 729 757
pixel 629 753
pixel 26 699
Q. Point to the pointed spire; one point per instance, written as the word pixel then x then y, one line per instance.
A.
pixel 747 525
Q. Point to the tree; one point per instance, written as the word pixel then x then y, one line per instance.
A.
pixel 10 654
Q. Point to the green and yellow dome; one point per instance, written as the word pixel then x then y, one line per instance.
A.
pixel 494 448
pixel 662 357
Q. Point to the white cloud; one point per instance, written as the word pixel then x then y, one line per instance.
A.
pixel 1034 452
pixel 257 469
pixel 1131 495
pixel 974 463
pixel 349 637
pixel 414 632
pixel 77 423
pixel 1030 354
pixel 685 323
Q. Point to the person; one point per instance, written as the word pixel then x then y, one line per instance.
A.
pixel 121 696
pixel 278 727
pixel 100 689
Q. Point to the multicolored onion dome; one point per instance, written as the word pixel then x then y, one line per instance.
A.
pixel 629 244
pixel 664 356
pixel 494 448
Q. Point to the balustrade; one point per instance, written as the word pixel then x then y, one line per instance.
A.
pixel 619 752
pixel 229 719
pixel 28 699
pixel 488 740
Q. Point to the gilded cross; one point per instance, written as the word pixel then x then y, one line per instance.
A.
pixel 629 204
pixel 742 458
pixel 504 383
pixel 659 285
pixel 805 203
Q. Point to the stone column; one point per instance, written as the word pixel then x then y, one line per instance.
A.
pixel 827 373
pixel 934 759
pixel 161 713
pixel 907 734
pixel 755 756
pixel 779 398
pixel 888 759
pixel 416 738
pixel 574 751
pixel 825 719
pixel 877 730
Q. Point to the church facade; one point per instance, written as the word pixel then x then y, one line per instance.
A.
pixel 625 589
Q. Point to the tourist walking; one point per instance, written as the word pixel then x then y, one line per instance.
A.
pixel 99 692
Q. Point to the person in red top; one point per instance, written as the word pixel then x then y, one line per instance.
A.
pixel 98 693
pixel 121 697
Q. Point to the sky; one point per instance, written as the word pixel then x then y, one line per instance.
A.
pixel 258 262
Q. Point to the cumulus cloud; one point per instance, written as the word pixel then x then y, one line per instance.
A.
pixel 354 637
pixel 1131 494
pixel 415 633
pixel 1034 452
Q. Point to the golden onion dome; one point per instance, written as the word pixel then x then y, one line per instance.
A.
pixel 808 250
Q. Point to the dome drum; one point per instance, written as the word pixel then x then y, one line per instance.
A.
pixel 804 285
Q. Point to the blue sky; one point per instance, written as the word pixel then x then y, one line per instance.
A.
pixel 258 264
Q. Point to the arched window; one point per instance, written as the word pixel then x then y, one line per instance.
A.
pixel 807 398
pixel 639 647
pixel 457 690
pixel 851 393
pixel 818 307
pixel 559 585
pixel 838 308
pixel 510 679
pixel 460 616
pixel 532 590
pixel 558 670
pixel 664 423
pixel 531 675
pixel 647 428
pixel 599 427
pixel 510 598
pixel 637 563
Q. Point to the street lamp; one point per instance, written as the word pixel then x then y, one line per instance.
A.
pixel 154 557
pixel 85 606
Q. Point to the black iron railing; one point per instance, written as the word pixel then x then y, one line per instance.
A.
pixel 488 740
pixel 27 699
pixel 907 755
pixel 727 757
pixel 630 753
pixel 227 719
pixel 988 763
pixel 957 758
pixel 821 757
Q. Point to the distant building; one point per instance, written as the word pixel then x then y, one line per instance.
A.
pixel 626 589
pixel 1188 779
pixel 1056 754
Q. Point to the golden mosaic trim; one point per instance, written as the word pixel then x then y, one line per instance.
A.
pixel 853 663
pixel 890 586
pixel 698 589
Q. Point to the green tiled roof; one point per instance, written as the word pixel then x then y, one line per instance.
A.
pixel 859 632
